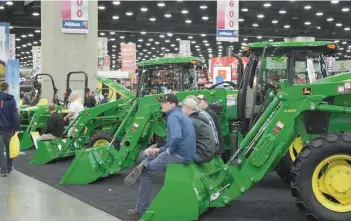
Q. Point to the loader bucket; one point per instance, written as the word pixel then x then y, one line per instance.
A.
pixel 25 140
pixel 48 151
pixel 183 196
pixel 91 164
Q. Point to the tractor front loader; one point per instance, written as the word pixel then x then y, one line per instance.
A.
pixel 321 172
pixel 94 126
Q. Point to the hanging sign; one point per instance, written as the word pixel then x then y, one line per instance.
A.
pixel 4 48
pixel 184 48
pixel 228 20
pixel 74 16
pixel 36 54
pixel 12 51
pixel 128 57
pixel 13 79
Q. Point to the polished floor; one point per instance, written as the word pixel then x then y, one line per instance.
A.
pixel 27 199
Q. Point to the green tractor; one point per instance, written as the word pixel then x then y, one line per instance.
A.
pixel 319 112
pixel 94 126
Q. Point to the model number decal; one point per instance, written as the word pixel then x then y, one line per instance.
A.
pixel 290 111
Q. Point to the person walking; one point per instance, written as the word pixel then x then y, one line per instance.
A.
pixel 9 125
pixel 180 148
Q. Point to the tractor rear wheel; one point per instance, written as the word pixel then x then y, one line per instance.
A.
pixel 321 178
pixel 285 165
pixel 100 139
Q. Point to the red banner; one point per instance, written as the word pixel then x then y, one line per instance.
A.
pixel 128 57
pixel 227 62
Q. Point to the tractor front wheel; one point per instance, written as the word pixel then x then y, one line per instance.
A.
pixel 321 178
pixel 100 139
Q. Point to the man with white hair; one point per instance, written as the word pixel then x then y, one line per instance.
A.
pixel 75 107
pixel 206 136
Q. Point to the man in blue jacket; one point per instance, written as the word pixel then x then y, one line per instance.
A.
pixel 9 125
pixel 180 148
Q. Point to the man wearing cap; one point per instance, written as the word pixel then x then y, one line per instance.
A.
pixel 206 138
pixel 180 148
pixel 202 103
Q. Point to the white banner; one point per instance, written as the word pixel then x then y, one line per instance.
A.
pixel 102 47
pixel 74 15
pixel 12 46
pixel 184 48
pixel 36 53
pixel 227 20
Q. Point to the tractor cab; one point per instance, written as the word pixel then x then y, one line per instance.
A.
pixel 298 62
pixel 167 75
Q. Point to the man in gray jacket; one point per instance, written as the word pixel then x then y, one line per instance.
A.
pixel 206 137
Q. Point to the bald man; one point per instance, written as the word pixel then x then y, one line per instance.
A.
pixel 54 126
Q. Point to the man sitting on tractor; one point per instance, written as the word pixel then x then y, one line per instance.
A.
pixel 55 125
pixel 206 137
pixel 179 149
pixel 74 109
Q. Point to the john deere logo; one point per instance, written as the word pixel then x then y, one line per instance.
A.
pixel 306 91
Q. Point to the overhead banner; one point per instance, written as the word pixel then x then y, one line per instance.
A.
pixel 128 57
pixel 103 57
pixel 4 48
pixel 13 79
pixel 12 52
pixel 227 65
pixel 228 20
pixel 74 15
pixel 184 48
pixel 36 54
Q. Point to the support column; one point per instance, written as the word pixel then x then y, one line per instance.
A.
pixel 63 53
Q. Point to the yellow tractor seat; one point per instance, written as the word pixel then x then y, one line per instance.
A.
pixel 43 101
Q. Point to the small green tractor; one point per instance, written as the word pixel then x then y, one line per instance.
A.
pixel 93 127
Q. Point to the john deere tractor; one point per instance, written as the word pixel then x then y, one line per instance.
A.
pixel 94 126
pixel 319 112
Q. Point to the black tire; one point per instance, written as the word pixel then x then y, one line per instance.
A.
pixel 302 171
pixel 102 136
pixel 284 168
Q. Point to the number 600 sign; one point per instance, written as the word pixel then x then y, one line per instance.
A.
pixel 231 13
pixel 79 8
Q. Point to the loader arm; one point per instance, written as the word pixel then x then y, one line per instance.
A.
pixel 216 184
pixel 118 88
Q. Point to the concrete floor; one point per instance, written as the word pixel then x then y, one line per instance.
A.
pixel 23 198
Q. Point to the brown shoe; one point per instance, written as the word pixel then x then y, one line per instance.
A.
pixel 134 175
pixel 134 213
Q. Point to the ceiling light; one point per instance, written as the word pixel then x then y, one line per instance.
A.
pixel 18 39
pixel 307 23
pixel 184 11
pixel 157 43
pixel 188 21
pixel 204 41
pixel 23 36
pixel 162 36
pixel 116 2
pixel 151 39
pixel 169 34
pixel 307 7
pixel 102 33
pixel 347 29
pixel 112 32
pixel 204 17
pixel 275 21
pixel 115 17
pixel 101 7
pixel 334 2
pixel 152 19
pixel 37 31
pixel 129 13
pixel 245 39
pixel 318 27
pixel 244 9
pixel 148 44
pixel 338 24
pixel 168 15
pixel 259 37
pixel 319 13
pixel 143 32
pixel 286 26
pixel 112 39
pixel 9 3
pixel 345 9
pixel 161 4
pixel 282 11
pixel 203 6
pixel 255 24
pixel 260 16
pixel 30 35
pixel 344 42
pixel 270 40
pixel 267 4
pixel 167 41
pixel 35 14
pixel 122 37
pixel 143 9
pixel 336 41
pixel 241 19
pixel 2 7
pixel 178 39
pixel 190 37
pixel 330 19
pixel 203 35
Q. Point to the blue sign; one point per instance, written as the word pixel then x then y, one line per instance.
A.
pixel 75 26
pixel 13 79
pixel 219 79
pixel 227 33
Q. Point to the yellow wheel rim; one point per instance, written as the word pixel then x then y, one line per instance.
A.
pixel 331 183
pixel 295 148
pixel 100 142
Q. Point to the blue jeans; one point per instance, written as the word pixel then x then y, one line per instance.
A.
pixel 5 160
pixel 153 167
